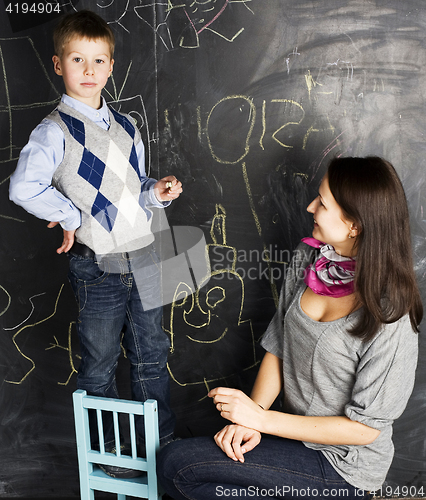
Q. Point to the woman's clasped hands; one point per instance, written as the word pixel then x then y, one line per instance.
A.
pixel 243 435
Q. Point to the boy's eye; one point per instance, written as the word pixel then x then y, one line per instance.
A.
pixel 99 61
pixel 77 59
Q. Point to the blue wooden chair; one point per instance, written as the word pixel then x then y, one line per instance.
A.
pixel 92 478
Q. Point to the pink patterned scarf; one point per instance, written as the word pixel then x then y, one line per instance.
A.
pixel 331 274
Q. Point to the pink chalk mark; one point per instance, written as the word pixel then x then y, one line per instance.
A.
pixel 210 22
pixel 327 150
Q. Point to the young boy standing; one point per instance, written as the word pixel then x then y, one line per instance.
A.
pixel 83 168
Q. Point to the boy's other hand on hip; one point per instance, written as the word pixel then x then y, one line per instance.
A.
pixel 68 240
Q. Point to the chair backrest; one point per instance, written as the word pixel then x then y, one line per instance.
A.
pixel 91 476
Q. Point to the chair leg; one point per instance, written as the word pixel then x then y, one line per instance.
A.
pixel 87 494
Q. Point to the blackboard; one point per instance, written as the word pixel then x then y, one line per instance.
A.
pixel 245 101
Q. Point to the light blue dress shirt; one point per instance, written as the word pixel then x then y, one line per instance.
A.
pixel 31 183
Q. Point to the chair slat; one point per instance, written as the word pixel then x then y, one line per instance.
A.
pixel 132 435
pixel 100 430
pixel 120 405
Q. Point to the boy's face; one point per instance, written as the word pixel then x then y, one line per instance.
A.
pixel 85 66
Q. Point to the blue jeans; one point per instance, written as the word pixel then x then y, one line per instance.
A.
pixel 110 304
pixel 197 469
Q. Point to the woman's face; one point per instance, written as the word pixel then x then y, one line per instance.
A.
pixel 330 226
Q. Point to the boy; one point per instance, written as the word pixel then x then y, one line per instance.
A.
pixel 83 168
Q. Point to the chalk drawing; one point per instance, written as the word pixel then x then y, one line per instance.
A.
pixel 193 17
pixel 202 315
pixel 19 348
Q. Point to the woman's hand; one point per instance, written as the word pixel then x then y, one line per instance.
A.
pixel 235 440
pixel 237 407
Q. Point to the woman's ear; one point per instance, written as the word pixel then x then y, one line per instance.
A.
pixel 353 231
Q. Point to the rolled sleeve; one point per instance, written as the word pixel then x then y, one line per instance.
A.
pixel 147 183
pixel 385 376
pixel 31 183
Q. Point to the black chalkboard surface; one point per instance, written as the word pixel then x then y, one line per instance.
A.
pixel 245 101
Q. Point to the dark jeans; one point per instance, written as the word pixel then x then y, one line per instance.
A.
pixel 197 469
pixel 111 304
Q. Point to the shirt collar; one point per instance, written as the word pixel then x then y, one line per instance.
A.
pixel 96 115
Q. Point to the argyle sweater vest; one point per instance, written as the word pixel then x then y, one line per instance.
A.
pixel 100 175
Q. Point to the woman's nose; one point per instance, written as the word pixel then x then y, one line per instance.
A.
pixel 312 206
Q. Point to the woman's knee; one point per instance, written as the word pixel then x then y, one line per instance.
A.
pixel 183 454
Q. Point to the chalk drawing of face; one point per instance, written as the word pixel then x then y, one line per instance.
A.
pixel 210 339
pixel 211 336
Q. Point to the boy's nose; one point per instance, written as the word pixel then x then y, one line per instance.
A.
pixel 89 70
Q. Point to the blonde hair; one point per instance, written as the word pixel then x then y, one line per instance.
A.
pixel 83 24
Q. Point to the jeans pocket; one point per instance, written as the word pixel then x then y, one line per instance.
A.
pixel 84 272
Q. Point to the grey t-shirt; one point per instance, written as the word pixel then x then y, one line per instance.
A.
pixel 327 371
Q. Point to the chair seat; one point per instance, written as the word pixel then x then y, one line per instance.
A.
pixel 100 481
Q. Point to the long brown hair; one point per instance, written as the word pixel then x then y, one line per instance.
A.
pixel 371 195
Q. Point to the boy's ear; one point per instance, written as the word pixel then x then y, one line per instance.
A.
pixel 110 69
pixel 57 65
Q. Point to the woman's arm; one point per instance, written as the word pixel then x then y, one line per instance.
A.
pixel 251 413
pixel 235 440
pixel 237 407
pixel 266 387
pixel 332 430
pixel 269 381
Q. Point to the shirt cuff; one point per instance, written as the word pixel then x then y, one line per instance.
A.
pixel 152 199
pixel 71 223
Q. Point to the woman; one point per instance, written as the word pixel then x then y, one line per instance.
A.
pixel 342 346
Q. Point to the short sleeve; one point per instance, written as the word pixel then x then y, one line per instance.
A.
pixel 273 339
pixel 385 376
